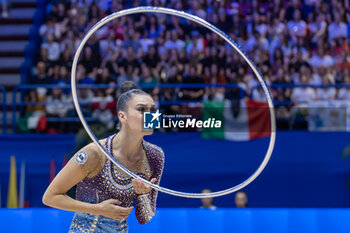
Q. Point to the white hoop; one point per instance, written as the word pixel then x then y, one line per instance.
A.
pixel 227 39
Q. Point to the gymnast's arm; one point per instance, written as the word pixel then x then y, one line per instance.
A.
pixel 55 195
pixel 146 203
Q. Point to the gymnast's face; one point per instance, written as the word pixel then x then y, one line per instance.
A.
pixel 134 115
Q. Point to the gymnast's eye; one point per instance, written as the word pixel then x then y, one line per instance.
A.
pixel 153 109
pixel 141 109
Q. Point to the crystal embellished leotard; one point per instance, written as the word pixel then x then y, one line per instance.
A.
pixel 109 183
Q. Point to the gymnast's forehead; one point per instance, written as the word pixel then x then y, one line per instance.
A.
pixel 144 100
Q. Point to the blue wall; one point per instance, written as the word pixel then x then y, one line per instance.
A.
pixel 36 151
pixel 193 221
pixel 306 169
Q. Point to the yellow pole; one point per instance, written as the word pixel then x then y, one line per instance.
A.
pixel 12 196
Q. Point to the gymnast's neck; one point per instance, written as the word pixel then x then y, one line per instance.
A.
pixel 128 145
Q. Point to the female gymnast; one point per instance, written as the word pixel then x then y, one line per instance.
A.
pixel 105 194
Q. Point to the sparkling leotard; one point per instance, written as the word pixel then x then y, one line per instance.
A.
pixel 110 183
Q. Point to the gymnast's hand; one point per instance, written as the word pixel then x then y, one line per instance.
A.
pixel 110 208
pixel 141 187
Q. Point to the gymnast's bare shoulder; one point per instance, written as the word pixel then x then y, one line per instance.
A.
pixel 91 159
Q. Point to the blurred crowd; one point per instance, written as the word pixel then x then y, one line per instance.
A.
pixel 291 42
pixel 4 5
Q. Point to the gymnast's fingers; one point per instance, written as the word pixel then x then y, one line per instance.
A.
pixel 125 211
pixel 154 180
pixel 147 186
pixel 138 184
pixel 113 201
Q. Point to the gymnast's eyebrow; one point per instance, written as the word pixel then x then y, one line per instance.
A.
pixel 145 105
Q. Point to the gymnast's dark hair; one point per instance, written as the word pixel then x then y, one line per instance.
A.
pixel 127 90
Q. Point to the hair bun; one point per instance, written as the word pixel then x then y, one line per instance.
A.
pixel 127 86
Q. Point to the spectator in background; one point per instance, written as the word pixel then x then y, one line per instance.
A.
pixel 131 74
pixel 321 58
pixel 69 43
pixel 59 12
pixel 328 93
pixel 241 199
pixel 297 27
pixel 82 77
pixel 66 59
pixel 316 78
pixel 344 93
pixel 148 79
pixel 172 76
pixel 207 203
pixel 94 11
pixel 169 41
pixel 57 106
pixel 153 27
pixel 179 44
pixel 152 59
pixel 54 73
pixel 303 94
pixel 318 28
pixel 91 61
pixel 44 57
pixel 108 46
pixel 261 26
pixel 129 58
pixel 40 76
pixel 337 28
pixel 50 27
pixel 52 47
pixel 252 41
pixel 86 97
pixel 103 107
pixel 103 76
pixel 292 7
pixel 64 75
pixel 192 93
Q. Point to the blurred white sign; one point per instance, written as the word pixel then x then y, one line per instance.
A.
pixel 329 115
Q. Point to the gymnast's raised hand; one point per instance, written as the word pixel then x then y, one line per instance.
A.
pixel 142 187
